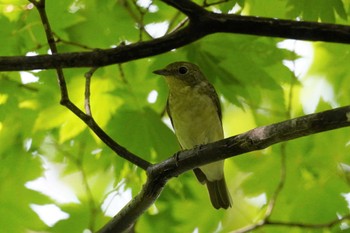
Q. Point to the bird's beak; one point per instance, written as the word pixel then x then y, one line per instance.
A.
pixel 163 72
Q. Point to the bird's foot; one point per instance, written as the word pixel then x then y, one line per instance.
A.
pixel 198 148
pixel 176 158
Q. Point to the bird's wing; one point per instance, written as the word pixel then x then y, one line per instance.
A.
pixel 171 119
pixel 214 97
pixel 169 113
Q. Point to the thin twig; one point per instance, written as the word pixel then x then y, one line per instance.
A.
pixel 59 39
pixel 19 84
pixel 172 21
pixel 141 23
pixel 88 76
pixel 283 168
pixel 40 6
pixel 204 23
pixel 138 19
pixel 250 227
pixel 281 183
pixel 180 25
pixel 118 149
pixel 65 101
pixel 261 224
pixel 309 225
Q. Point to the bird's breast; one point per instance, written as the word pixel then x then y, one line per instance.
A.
pixel 195 117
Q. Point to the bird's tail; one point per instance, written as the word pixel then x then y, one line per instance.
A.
pixel 219 195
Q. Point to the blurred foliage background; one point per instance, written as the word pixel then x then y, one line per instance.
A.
pixel 56 176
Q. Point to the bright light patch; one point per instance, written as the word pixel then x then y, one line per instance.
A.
pixel 51 184
pixel 347 198
pixel 236 8
pixel 50 214
pixel 9 8
pixel 153 8
pixel 346 168
pixel 96 151
pixel 144 3
pixel 259 201
pixel 315 88
pixel 306 52
pixel 167 122
pixel 343 225
pixel 30 6
pixel 3 98
pixel 116 200
pixel 30 54
pixel 76 6
pixel 147 4
pixel 28 144
pixel 27 77
pixel 152 97
pixel 216 10
pixel 157 29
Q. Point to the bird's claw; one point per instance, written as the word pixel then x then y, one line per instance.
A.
pixel 176 158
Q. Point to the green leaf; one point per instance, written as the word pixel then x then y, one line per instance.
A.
pixel 9 37
pixel 314 10
pixel 255 87
pixel 143 133
pixel 16 168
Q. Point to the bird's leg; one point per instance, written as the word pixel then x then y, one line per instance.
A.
pixel 198 148
pixel 176 158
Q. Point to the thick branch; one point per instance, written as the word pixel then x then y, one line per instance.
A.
pixel 125 219
pixel 202 23
pixel 252 140
pixel 260 138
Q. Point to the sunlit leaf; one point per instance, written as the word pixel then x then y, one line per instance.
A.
pixel 41 140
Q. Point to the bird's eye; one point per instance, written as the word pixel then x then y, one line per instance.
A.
pixel 183 70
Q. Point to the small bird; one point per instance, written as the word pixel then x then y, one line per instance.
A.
pixel 195 113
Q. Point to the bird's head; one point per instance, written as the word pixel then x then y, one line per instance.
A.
pixel 179 74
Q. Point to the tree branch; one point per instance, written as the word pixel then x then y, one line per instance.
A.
pixel 201 23
pixel 293 224
pixel 118 149
pixel 65 101
pixel 309 225
pixel 252 140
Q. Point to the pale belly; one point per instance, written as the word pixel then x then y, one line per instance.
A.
pixel 196 122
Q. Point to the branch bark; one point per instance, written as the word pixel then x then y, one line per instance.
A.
pixel 256 139
pixel 202 23
pixel 65 101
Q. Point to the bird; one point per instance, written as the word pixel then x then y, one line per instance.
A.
pixel 193 107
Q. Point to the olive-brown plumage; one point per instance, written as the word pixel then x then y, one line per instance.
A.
pixel 194 109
